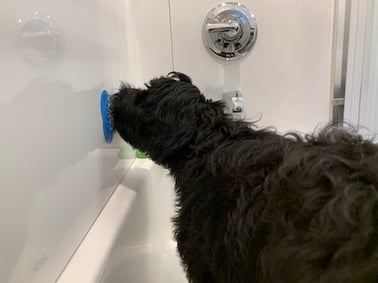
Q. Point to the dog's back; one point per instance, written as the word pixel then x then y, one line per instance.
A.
pixel 254 206
pixel 268 208
pixel 322 211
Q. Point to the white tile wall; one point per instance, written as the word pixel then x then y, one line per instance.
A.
pixel 150 23
pixel 54 174
pixel 285 80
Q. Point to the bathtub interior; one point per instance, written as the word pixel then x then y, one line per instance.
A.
pixel 145 250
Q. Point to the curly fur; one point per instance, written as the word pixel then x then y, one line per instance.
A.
pixel 252 205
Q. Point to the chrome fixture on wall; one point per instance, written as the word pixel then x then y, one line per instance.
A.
pixel 234 104
pixel 40 41
pixel 229 31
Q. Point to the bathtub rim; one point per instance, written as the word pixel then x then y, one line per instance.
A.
pixel 89 260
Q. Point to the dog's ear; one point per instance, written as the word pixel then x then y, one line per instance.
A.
pixel 179 77
pixel 171 79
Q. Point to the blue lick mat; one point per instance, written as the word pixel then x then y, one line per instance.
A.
pixel 107 121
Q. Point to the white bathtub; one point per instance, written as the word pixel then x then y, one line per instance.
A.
pixel 131 241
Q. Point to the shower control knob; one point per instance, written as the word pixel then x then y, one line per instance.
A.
pixel 229 31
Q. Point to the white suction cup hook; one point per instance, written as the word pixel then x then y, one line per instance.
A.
pixel 229 31
pixel 39 39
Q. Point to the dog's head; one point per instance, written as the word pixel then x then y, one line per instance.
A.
pixel 165 118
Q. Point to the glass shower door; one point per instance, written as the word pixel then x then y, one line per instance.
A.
pixel 361 103
pixel 368 112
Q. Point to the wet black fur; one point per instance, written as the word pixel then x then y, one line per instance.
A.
pixel 255 206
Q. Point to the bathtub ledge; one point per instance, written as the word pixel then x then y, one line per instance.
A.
pixel 88 261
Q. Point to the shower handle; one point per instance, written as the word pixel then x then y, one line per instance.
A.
pixel 230 26
pixel 229 30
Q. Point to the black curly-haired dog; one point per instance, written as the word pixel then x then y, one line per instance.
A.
pixel 255 206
